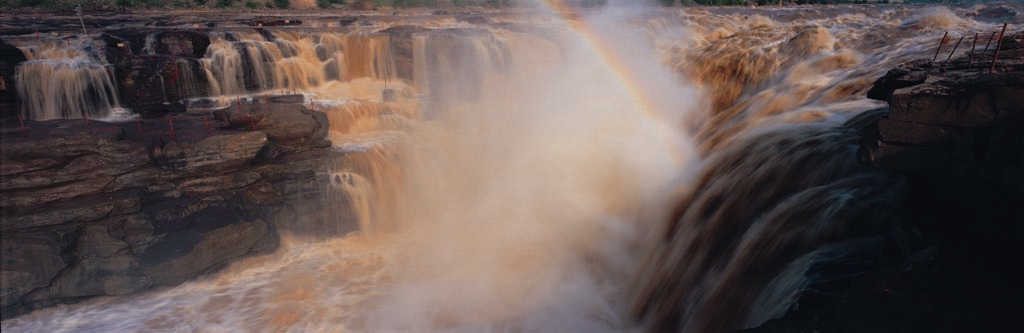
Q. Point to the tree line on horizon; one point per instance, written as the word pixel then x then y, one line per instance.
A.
pixel 365 4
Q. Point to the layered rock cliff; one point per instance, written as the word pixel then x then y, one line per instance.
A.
pixel 93 209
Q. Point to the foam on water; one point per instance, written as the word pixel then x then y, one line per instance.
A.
pixel 520 181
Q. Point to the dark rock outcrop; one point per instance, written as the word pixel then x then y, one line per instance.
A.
pixel 956 132
pixel 960 121
pixel 10 57
pixel 289 125
pixel 94 209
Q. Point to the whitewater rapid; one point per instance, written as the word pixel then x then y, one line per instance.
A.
pixel 530 197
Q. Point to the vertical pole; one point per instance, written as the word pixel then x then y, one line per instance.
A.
pixel 170 121
pixel 78 11
pixel 943 41
pixel 970 60
pixel 138 126
pixel 83 24
pixel 954 48
pixel 87 123
pixel 990 40
pixel 207 122
pixel 21 121
pixel 999 44
pixel 251 123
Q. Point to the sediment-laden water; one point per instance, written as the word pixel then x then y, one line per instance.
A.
pixel 605 171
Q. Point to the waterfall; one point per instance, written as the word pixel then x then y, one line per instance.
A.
pixel 185 79
pixel 367 55
pixel 802 189
pixel 682 170
pixel 65 79
pixel 224 68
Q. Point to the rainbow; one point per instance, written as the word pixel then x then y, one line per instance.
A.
pixel 620 68
pixel 608 55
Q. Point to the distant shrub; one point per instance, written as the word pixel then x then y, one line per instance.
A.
pixel 328 3
pixel 201 2
pixel 223 3
pixel 405 3
pixel 33 3
pixel 252 4
pixel 282 4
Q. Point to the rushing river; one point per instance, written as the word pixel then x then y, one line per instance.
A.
pixel 602 166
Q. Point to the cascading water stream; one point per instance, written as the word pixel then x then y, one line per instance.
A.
pixel 65 79
pixel 516 180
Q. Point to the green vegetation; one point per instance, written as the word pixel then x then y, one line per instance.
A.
pixel 328 3
pixel 282 4
pixel 461 3
pixel 34 3
pixel 724 2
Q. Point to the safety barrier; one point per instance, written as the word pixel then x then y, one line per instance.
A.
pixel 970 60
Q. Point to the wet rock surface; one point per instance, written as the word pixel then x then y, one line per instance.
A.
pixel 289 125
pixel 94 209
